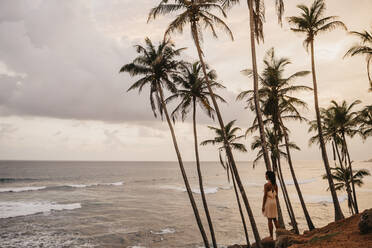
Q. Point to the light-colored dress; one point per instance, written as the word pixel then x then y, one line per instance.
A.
pixel 271 210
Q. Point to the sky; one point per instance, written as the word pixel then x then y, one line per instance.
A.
pixel 62 98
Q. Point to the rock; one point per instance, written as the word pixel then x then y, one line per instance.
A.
pixel 285 241
pixel 365 222
pixel 267 242
pixel 280 231
pixel 237 246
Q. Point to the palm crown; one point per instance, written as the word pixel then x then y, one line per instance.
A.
pixel 156 65
pixel 276 91
pixel 193 89
pixel 312 21
pixel 363 48
pixel 196 12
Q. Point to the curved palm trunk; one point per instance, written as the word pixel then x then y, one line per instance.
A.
pixel 289 204
pixel 184 176
pixel 338 213
pixel 255 88
pixel 351 174
pixel 299 193
pixel 201 187
pixel 240 206
pixel 226 144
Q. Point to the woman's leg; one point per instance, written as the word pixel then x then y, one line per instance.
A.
pixel 276 223
pixel 270 224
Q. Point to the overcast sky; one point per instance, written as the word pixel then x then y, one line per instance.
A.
pixel 62 98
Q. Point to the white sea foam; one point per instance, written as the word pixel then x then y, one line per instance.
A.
pixel 323 199
pixel 305 181
pixel 207 190
pixel 23 189
pixel 78 185
pixel 212 190
pixel 15 209
pixel 164 231
pixel 113 184
pixel 20 189
pixel 95 184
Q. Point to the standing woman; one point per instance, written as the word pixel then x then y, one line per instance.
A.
pixel 269 208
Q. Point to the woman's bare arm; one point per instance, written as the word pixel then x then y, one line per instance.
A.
pixel 264 197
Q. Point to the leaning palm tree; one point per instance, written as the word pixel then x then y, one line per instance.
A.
pixel 233 140
pixel 197 14
pixel 256 19
pixel 365 121
pixel 194 92
pixel 157 65
pixel 312 22
pixel 278 102
pixel 363 48
pixel 343 178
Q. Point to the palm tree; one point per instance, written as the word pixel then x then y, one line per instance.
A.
pixel 256 18
pixel 346 121
pixel 339 121
pixel 343 178
pixel 278 102
pixel 331 135
pixel 363 48
pixel 233 139
pixel 312 22
pixel 197 14
pixel 157 65
pixel 194 91
pixel 365 121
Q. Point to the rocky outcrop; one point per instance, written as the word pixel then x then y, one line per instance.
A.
pixel 365 222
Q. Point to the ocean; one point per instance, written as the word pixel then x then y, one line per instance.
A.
pixel 144 204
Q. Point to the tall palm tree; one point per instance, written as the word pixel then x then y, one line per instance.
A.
pixel 312 22
pixel 277 100
pixel 233 139
pixel 365 121
pixel 343 178
pixel 363 48
pixel 256 10
pixel 197 13
pixel 194 91
pixel 157 65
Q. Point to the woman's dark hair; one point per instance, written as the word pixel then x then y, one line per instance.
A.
pixel 271 176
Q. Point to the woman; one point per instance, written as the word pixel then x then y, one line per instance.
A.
pixel 269 208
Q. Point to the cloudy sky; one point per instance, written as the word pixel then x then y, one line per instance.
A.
pixel 62 98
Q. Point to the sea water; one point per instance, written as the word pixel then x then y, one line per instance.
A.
pixel 145 204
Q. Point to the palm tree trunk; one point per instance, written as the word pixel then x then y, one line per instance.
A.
pixel 338 153
pixel 348 190
pixel 299 193
pixel 351 174
pixel 240 206
pixel 184 176
pixel 205 205
pixel 280 213
pixel 338 212
pixel 226 144
pixel 285 193
pixel 255 88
